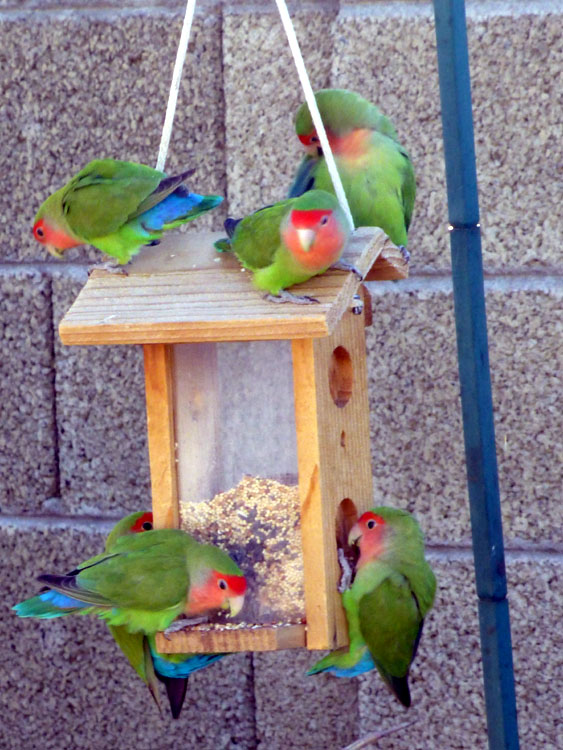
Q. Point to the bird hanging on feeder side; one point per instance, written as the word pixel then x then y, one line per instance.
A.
pixel 392 592
pixel 214 582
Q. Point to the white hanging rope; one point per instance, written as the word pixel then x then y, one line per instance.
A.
pixel 175 85
pixel 305 83
pixel 313 109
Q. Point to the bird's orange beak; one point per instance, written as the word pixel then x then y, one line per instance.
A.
pixel 52 250
pixel 306 237
pixel 235 604
pixel 355 534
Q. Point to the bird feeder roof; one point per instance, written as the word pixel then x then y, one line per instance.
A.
pixel 185 291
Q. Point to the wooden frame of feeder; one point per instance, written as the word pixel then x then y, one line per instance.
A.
pixel 184 293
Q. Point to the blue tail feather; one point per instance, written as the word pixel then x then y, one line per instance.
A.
pixel 48 604
pixel 178 207
pixel 192 663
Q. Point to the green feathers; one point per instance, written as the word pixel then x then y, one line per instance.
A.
pixel 145 581
pixel 289 242
pixel 341 111
pixel 392 592
pixel 117 206
pixel 376 171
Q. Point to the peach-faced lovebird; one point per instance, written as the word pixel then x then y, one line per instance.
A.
pixel 117 206
pixel 139 585
pixel 290 242
pixel 392 592
pixel 376 171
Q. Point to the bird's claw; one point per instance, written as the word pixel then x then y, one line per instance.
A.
pixel 346 577
pixel 110 267
pixel 181 623
pixel 285 296
pixel 405 253
pixel 343 265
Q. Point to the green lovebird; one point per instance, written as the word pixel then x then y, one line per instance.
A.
pixel 392 592
pixel 376 171
pixel 289 242
pixel 213 580
pixel 117 206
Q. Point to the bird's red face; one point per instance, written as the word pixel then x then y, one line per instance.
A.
pixel 54 239
pixel 143 523
pixel 314 237
pixel 218 591
pixel 369 534
pixel 350 146
pixel 311 143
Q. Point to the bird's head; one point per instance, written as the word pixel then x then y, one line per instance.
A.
pixel 134 523
pixel 48 226
pixel 315 230
pixel 217 590
pixel 349 120
pixel 54 239
pixel 369 533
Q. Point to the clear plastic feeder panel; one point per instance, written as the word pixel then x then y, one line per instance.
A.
pixel 237 466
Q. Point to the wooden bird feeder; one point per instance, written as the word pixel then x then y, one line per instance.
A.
pixel 179 300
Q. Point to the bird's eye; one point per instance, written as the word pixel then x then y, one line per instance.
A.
pixel 324 220
pixel 371 524
pixel 222 584
pixel 147 526
pixel 39 232
pixel 314 139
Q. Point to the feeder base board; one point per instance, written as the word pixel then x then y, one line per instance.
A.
pixel 198 640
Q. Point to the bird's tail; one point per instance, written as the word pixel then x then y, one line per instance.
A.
pixel 178 208
pixel 176 691
pixel 48 604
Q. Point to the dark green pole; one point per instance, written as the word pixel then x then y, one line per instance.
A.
pixel 473 359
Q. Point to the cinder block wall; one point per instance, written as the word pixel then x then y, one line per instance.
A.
pixel 81 80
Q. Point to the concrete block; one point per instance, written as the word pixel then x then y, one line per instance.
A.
pixel 417 440
pixel 28 469
pixel 296 712
pixel 101 420
pixel 67 684
pixel 262 94
pixel 386 51
pixel 95 83
pixel 448 708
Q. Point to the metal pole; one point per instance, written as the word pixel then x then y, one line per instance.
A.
pixel 473 360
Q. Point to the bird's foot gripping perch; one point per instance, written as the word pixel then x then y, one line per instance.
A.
pixel 285 296
pixel 181 623
pixel 110 267
pixel 342 265
pixel 405 253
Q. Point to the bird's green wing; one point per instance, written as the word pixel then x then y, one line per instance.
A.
pixel 408 188
pixel 105 194
pixel 144 571
pixel 137 650
pixel 391 624
pixel 257 237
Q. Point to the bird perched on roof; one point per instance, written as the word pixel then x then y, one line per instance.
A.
pixel 117 206
pixel 376 171
pixel 289 243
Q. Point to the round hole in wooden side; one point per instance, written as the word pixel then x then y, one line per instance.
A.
pixel 346 517
pixel 340 376
pixel 343 439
